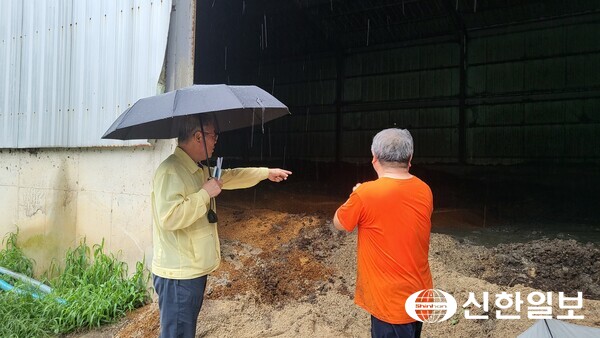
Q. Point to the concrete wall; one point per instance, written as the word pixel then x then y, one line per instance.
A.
pixel 56 197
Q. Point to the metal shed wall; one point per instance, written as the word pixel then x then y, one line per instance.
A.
pixel 308 86
pixel 533 95
pixel 476 83
pixel 411 87
pixel 69 68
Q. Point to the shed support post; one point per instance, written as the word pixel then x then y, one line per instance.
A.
pixel 462 94
pixel 180 45
pixel 339 91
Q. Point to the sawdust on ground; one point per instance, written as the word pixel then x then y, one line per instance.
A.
pixel 286 272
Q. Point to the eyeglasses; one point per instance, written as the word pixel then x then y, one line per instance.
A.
pixel 214 135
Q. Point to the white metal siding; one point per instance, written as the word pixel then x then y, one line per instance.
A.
pixel 69 68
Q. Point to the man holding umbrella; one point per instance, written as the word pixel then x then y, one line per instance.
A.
pixel 186 243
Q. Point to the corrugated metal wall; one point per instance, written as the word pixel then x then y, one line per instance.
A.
pixel 377 85
pixel 308 87
pixel 490 94
pixel 69 68
pixel 402 87
pixel 534 95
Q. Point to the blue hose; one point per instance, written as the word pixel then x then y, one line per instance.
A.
pixel 4 285
pixel 41 286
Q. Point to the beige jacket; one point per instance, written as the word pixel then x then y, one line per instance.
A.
pixel 186 246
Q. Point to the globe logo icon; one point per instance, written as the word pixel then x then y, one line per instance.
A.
pixel 430 306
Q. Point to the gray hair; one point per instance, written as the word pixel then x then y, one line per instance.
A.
pixel 393 147
pixel 190 124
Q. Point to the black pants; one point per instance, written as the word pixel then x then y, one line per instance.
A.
pixel 381 329
pixel 179 302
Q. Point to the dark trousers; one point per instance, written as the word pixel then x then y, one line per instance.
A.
pixel 179 302
pixel 381 329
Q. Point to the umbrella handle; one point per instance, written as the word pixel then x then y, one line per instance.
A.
pixel 205 148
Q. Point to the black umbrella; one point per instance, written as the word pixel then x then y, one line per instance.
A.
pixel 158 117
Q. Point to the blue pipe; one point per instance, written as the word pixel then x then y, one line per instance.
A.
pixel 4 285
pixel 41 286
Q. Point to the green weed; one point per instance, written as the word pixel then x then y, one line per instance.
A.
pixel 12 257
pixel 89 291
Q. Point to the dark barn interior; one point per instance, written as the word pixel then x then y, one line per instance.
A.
pixel 502 97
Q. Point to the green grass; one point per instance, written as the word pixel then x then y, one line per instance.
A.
pixel 13 258
pixel 92 289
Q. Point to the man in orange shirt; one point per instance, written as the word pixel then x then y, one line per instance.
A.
pixel 393 216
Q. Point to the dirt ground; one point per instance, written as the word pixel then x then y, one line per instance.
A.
pixel 286 272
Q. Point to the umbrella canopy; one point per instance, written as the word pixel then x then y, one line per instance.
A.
pixel 554 328
pixel 158 117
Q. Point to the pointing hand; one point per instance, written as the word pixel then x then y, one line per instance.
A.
pixel 278 175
